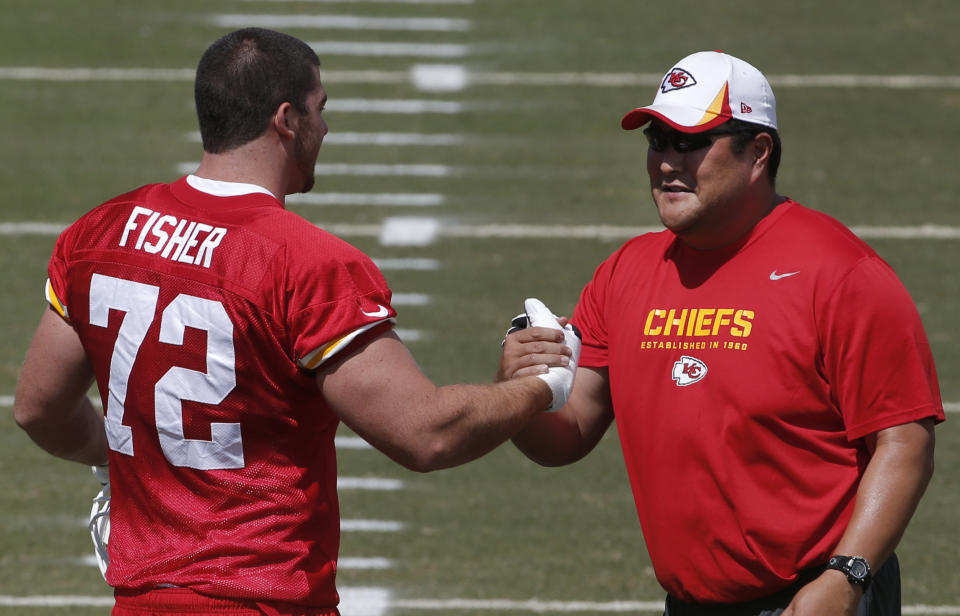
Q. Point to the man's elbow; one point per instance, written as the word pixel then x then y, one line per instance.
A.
pixel 432 453
pixel 28 417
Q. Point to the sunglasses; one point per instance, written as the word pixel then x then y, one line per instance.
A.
pixel 682 143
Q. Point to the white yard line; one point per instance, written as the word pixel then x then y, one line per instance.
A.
pixel 407 231
pixel 486 78
pixel 515 231
pixel 411 335
pixel 413 264
pixel 413 170
pixel 351 442
pixel 410 299
pixel 420 170
pixel 370 526
pixel 341 22
pixel 378 139
pixel 440 77
pixel 362 601
pixel 411 50
pixel 364 563
pixel 370 199
pixel 369 483
pixel 394 139
pixel 360 1
pixel 398 106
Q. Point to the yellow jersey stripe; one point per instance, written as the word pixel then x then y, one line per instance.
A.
pixel 314 359
pixel 55 301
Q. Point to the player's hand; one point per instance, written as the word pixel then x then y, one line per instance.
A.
pixel 828 595
pixel 543 345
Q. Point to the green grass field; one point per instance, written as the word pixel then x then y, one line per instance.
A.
pixel 533 154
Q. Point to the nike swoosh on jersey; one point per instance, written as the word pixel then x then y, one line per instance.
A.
pixel 381 312
pixel 775 276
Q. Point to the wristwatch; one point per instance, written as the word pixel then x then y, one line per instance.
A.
pixel 856 568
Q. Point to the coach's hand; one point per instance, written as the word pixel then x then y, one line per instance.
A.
pixel 540 344
pixel 828 595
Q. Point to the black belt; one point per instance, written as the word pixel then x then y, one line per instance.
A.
pixel 779 599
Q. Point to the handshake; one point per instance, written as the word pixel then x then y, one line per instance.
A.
pixel 532 354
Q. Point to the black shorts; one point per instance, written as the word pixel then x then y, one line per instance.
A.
pixel 882 598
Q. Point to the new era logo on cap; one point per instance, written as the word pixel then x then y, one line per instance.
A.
pixel 677 79
pixel 745 108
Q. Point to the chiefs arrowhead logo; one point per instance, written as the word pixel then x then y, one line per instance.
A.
pixel 676 80
pixel 688 371
pixel 745 108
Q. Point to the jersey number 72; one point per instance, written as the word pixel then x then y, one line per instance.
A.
pixel 138 302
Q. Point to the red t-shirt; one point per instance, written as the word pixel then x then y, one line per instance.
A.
pixel 203 316
pixel 743 380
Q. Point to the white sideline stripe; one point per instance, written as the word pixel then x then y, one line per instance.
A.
pixel 384 139
pixel 417 170
pixel 7 401
pixel 409 231
pixel 433 139
pixel 351 442
pixel 369 483
pixel 364 601
pixel 615 232
pixel 398 105
pixel 890 82
pixel 410 335
pixel 377 1
pixel 410 299
pixel 36 73
pixel 55 601
pixel 440 77
pixel 371 526
pixel 422 170
pixel 415 264
pixel 342 22
pixel 533 605
pixel 416 50
pixel 599 232
pixel 32 228
pixel 360 601
pixel 364 563
pixel 375 199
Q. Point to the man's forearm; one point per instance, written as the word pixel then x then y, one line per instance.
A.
pixel 892 485
pixel 78 436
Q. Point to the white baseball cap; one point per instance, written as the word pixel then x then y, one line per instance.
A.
pixel 705 90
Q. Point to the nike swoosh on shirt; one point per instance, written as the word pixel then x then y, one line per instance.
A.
pixel 775 276
pixel 382 312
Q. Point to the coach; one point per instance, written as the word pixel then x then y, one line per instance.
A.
pixel 773 388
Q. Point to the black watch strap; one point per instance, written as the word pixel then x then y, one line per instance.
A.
pixel 856 568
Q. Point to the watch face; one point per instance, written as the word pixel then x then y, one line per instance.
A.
pixel 858 568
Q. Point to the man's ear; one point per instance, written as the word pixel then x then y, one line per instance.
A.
pixel 284 121
pixel 762 148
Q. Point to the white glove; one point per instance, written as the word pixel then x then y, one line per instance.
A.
pixel 100 518
pixel 559 378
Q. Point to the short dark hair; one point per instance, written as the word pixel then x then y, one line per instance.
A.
pixel 241 80
pixel 744 132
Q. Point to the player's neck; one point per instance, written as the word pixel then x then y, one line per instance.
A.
pixel 248 164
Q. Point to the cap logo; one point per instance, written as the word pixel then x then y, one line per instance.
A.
pixel 745 108
pixel 676 80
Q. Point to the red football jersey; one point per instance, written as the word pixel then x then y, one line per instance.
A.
pixel 742 380
pixel 203 316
